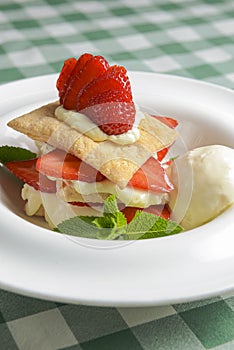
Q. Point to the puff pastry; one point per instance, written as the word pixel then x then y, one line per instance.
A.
pixel 117 162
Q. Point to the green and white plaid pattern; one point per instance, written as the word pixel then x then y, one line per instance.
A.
pixel 184 37
pixel 31 324
pixel 193 38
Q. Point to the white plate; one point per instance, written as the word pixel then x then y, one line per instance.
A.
pixel 192 265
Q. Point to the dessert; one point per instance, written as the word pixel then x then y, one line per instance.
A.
pixel 101 169
pixel 92 143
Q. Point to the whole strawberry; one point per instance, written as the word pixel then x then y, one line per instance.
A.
pixel 100 91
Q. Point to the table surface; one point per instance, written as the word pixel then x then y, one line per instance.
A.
pixel 190 38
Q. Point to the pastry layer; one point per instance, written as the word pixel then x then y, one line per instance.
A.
pixel 117 162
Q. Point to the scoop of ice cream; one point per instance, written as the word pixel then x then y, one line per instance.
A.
pixel 204 185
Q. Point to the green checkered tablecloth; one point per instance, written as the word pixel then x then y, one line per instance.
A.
pixel 192 38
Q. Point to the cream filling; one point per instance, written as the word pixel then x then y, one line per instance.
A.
pixel 98 191
pixel 32 198
pixel 85 126
pixel 55 209
pixel 51 207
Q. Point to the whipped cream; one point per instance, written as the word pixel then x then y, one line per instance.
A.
pixel 51 207
pixel 33 198
pixel 129 196
pixel 85 126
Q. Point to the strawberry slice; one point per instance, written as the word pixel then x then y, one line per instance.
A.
pixel 25 170
pixel 93 67
pixel 68 66
pixel 60 164
pixel 151 176
pixel 112 113
pixel 129 212
pixel 171 122
pixel 76 70
pixel 161 154
pixel 87 204
pixel 115 78
pixel 158 210
pixel 107 101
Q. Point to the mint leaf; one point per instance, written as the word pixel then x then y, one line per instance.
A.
pixel 109 226
pixel 145 225
pixel 111 220
pixel 12 153
pixel 113 225
pixel 80 226
pixel 140 224
pixel 110 205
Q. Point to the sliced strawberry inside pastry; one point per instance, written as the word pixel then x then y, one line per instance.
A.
pixel 171 122
pixel 129 212
pixel 151 176
pixel 26 171
pixel 158 210
pixel 57 165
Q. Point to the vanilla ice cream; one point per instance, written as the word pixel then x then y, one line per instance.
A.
pixel 204 185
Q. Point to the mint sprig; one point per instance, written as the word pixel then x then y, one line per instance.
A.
pixel 145 225
pixel 12 153
pixel 113 225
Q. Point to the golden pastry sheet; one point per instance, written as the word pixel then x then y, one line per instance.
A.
pixel 117 162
